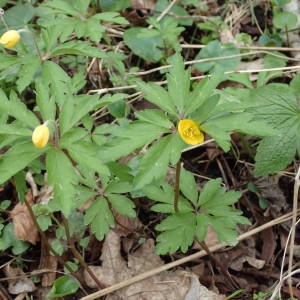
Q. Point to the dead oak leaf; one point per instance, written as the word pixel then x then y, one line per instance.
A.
pixel 24 226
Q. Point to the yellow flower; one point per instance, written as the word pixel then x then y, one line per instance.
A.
pixel 190 132
pixel 40 136
pixel 10 38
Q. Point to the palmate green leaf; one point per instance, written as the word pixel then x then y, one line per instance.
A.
pixel 178 233
pixel 154 116
pixel 77 48
pixel 99 216
pixel 165 196
pixel 74 109
pixel 122 205
pixel 45 103
pixel 57 79
pixel 178 82
pixel 131 137
pixel 201 92
pixel 86 153
pixel 158 96
pixel 153 164
pixel 7 60
pixel 220 127
pixel 30 67
pixel 188 185
pixel 62 176
pixel 276 105
pixel 15 108
pixel 17 158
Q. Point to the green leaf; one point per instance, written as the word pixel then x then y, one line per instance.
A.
pixel 153 164
pixel 8 239
pixel 165 197
pixel 63 286
pixel 17 158
pixel 74 109
pixel 20 185
pixel 77 48
pixel 158 96
pixel 179 230
pixel 146 43
pixel 154 116
pixel 276 105
pixel 17 109
pixel 99 216
pixel 45 103
pixel 215 50
pixel 131 137
pixel 285 19
pixel 114 5
pixel 188 185
pixel 178 82
pixel 122 205
pixel 201 92
pixel 62 176
pixel 57 79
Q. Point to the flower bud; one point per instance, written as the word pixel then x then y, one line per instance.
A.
pixel 10 38
pixel 40 136
pixel 190 132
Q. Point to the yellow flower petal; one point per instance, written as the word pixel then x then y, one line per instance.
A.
pixel 40 136
pixel 10 38
pixel 190 132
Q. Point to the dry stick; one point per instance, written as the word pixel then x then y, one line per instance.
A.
pixel 283 49
pixel 127 87
pixel 44 238
pixel 79 256
pixel 184 260
pixel 292 242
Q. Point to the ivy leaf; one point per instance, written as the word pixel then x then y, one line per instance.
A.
pixel 63 178
pixel 215 49
pixel 99 216
pixel 277 106
pixel 179 231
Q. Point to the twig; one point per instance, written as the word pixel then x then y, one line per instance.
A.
pixel 184 260
pixel 168 8
pixel 79 256
pixel 127 87
pixel 292 242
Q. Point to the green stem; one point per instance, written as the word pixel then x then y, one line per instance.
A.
pixel 177 186
pixel 79 256
pixel 48 246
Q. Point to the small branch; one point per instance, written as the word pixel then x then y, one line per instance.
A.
pixel 293 228
pixel 79 256
pixel 49 247
pixel 177 186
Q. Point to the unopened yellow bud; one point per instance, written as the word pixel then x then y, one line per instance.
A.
pixel 40 136
pixel 10 38
pixel 190 132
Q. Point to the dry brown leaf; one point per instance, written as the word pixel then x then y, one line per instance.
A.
pixel 24 226
pixel 20 285
pixel 166 285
